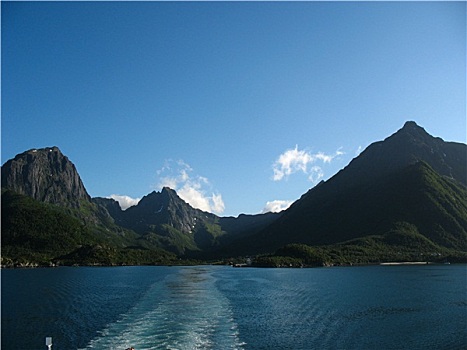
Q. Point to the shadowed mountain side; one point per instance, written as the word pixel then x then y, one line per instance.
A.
pixel 435 205
pixel 245 225
pixel 409 177
pixel 407 146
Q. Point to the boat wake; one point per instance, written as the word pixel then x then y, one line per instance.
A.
pixel 184 311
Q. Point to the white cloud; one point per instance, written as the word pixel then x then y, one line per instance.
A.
pixel 290 162
pixel 326 158
pixel 295 160
pixel 276 206
pixel 191 193
pixel 218 203
pixel 192 188
pixel 124 201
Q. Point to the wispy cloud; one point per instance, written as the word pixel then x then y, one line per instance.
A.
pixel 290 162
pixel 124 201
pixel 295 160
pixel 218 205
pixel 315 174
pixel 192 188
pixel 276 206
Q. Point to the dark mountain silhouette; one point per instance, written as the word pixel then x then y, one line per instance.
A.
pixel 407 146
pixel 411 177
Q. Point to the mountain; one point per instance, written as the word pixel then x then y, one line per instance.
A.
pixel 164 219
pixel 42 234
pixel 48 176
pixel 45 175
pixel 47 213
pixel 407 146
pixel 45 205
pixel 409 179
pixel 401 198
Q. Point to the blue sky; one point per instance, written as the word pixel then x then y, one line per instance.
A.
pixel 233 104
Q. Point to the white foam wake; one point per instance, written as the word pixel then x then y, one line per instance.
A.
pixel 185 311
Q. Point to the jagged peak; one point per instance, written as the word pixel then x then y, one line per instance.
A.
pixel 166 195
pixel 168 190
pixel 165 190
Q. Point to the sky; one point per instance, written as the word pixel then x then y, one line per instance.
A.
pixel 241 107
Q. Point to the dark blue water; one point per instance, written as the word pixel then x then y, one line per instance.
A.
pixel 373 307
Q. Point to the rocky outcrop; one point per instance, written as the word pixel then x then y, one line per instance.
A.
pixel 45 175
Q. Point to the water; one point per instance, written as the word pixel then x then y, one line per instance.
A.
pixel 372 307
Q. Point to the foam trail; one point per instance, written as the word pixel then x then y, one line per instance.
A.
pixel 185 311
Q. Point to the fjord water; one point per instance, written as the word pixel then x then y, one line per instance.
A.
pixel 207 307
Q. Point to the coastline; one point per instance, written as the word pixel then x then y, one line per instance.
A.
pixel 408 263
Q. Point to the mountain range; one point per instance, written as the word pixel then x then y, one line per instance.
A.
pixel 164 219
pixel 401 198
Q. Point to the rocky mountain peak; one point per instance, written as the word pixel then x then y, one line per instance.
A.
pixel 411 125
pixel 170 195
pixel 413 134
pixel 164 207
pixel 407 146
pixel 46 175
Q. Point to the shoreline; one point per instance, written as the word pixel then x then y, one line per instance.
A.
pixel 392 263
pixel 408 263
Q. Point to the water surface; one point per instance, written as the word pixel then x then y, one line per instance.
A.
pixel 206 307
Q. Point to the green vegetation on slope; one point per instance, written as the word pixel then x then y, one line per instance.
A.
pixel 401 244
pixel 35 233
pixel 328 214
pixel 344 255
pixel 413 215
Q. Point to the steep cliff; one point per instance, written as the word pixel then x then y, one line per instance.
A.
pixel 45 175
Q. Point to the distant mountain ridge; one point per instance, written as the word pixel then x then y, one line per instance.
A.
pixel 167 220
pixel 408 190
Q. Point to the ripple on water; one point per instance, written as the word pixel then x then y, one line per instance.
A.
pixel 184 311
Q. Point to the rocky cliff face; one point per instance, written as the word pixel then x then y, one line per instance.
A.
pixel 45 175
